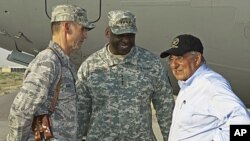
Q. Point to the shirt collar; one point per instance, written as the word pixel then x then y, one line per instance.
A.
pixel 189 81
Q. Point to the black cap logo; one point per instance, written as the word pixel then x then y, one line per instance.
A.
pixel 175 43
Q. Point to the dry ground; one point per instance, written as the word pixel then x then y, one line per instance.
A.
pixel 10 81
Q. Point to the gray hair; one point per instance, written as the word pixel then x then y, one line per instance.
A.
pixel 194 53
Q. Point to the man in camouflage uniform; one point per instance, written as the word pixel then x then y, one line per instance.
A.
pixel 117 85
pixel 69 30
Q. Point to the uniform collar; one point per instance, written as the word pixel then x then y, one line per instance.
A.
pixel 59 52
pixel 113 60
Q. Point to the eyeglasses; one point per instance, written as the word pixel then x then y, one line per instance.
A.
pixel 180 59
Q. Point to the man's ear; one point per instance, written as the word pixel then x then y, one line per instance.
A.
pixel 107 32
pixel 67 27
pixel 198 59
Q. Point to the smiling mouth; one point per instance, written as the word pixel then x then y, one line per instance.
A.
pixel 124 47
pixel 178 71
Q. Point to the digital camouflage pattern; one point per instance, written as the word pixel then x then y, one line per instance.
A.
pixel 71 13
pixel 34 98
pixel 122 22
pixel 115 96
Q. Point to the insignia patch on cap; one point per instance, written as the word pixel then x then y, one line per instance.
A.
pixel 122 22
pixel 175 43
pixel 125 22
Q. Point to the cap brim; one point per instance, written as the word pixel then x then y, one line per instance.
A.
pixel 90 26
pixel 164 54
pixel 123 31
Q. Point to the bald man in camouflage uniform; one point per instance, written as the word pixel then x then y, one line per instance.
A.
pixel 69 29
pixel 117 85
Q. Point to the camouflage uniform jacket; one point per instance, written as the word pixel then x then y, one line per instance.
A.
pixel 35 96
pixel 115 96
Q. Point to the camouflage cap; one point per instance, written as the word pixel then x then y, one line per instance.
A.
pixel 122 22
pixel 71 13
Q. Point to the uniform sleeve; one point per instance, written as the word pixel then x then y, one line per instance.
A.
pixel 163 102
pixel 229 109
pixel 84 103
pixel 33 94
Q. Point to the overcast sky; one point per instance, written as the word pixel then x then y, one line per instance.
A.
pixel 3 59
